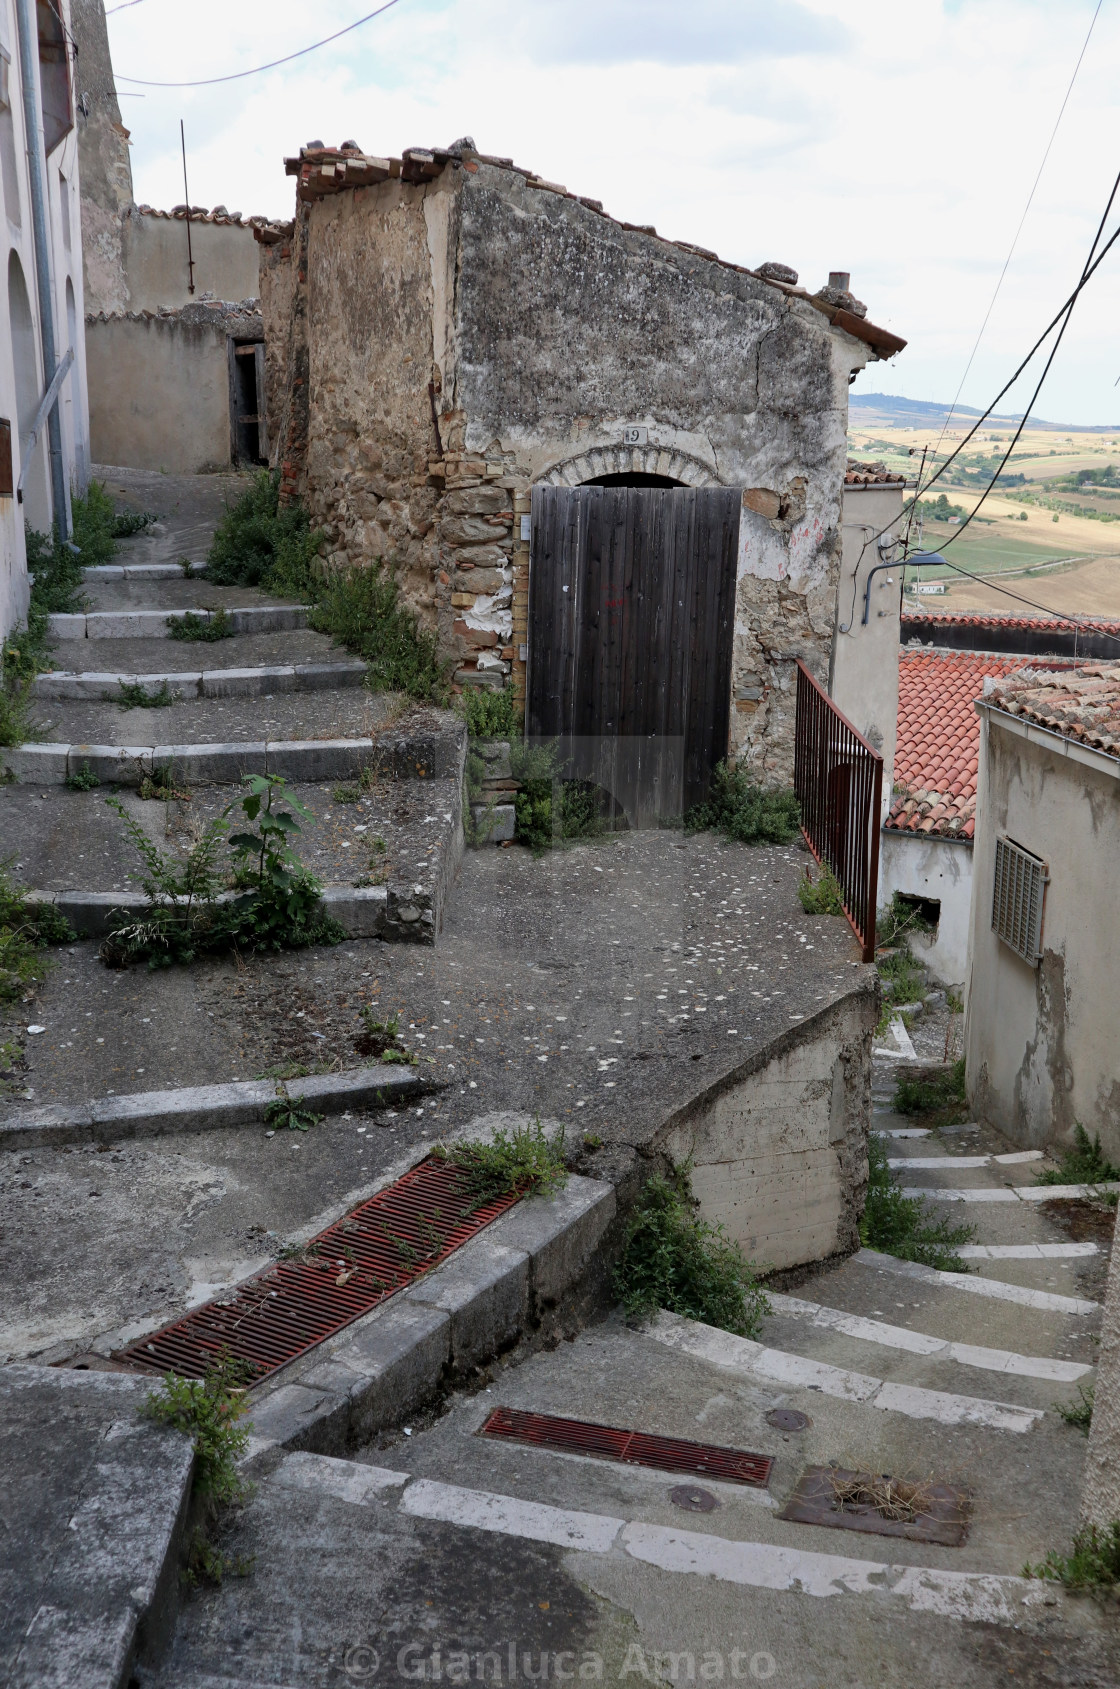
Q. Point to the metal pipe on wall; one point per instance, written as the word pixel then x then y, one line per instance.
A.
pixel 37 173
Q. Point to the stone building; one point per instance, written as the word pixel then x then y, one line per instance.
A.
pixel 173 334
pixel 447 331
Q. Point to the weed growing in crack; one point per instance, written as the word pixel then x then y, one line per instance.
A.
pixel 938 1093
pixel 823 896
pixel 525 1160
pixel 489 713
pixel 261 543
pixel 134 695
pixel 82 779
pixel 1079 1412
pixel 26 931
pixel 902 1225
pixel 381 1039
pixel 211 1411
pixel 1084 1164
pixel 205 631
pixel 1094 1563
pixel 347 794
pixel 285 1114
pixel 673 1259
pixel 744 811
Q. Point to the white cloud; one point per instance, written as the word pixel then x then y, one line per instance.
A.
pixel 895 141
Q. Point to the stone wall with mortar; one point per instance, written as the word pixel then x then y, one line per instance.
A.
pixel 779 1153
pixel 477 331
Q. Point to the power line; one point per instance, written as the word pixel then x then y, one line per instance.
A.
pixel 1054 615
pixel 1018 231
pixel 237 75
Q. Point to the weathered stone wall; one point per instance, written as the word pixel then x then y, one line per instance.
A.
pixel 106 174
pixel 779 1154
pixel 539 331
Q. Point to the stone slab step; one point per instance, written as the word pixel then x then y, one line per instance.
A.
pixel 153 624
pixel 1010 1193
pixel 205 1108
pixel 207 683
pixel 141 572
pixel 294 759
pixel 975 1284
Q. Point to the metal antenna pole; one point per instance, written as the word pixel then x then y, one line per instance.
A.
pixel 187 198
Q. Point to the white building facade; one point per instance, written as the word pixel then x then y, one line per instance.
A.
pixel 41 297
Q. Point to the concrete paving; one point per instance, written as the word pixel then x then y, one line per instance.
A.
pixel 93 1500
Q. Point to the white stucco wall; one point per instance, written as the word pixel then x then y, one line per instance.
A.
pixel 921 866
pixel 21 359
pixel 863 675
pixel 1041 1042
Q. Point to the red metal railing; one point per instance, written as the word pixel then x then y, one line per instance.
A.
pixel 838 778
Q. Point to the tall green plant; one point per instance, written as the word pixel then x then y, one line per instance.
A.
pixel 742 810
pixel 361 608
pixel 282 908
pixel 260 542
pixel 672 1259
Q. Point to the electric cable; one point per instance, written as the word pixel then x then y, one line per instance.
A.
pixel 237 75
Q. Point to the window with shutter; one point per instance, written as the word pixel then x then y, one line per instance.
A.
pixel 1017 897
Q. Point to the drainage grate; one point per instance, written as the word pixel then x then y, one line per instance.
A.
pixel 941 1513
pixel 376 1249
pixel 633 1448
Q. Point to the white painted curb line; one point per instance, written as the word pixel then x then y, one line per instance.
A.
pixel 977 1286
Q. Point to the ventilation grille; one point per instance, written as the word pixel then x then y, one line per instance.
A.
pixel 632 1448
pixel 1017 900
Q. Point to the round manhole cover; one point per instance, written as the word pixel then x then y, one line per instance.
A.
pixel 693 1499
pixel 788 1419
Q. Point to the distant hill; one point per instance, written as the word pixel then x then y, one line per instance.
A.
pixel 884 410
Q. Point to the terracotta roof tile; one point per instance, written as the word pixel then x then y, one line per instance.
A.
pixel 985 619
pixel 939 739
pixel 1082 704
pixel 871 475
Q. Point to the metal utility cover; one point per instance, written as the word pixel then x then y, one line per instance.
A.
pixel 814 1502
pixel 631 1448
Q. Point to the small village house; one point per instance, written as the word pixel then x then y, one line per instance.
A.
pixel 1040 1036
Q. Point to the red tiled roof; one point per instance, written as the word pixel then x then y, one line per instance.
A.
pixel 871 475
pixel 1083 704
pixel 984 619
pixel 323 170
pixel 938 744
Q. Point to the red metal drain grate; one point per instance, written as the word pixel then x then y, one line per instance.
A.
pixel 376 1249
pixel 633 1448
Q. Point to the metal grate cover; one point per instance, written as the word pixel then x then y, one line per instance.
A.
pixel 632 1448
pixel 1017 896
pixel 378 1248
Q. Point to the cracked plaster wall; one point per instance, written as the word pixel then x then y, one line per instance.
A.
pixel 546 331
pixel 1040 1043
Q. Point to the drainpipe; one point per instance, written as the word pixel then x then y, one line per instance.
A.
pixel 37 171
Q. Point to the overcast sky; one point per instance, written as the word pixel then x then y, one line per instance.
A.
pixel 897 139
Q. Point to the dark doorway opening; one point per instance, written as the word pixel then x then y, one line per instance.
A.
pixel 631 478
pixel 247 422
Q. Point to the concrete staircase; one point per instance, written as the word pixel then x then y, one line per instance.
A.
pixel 135 710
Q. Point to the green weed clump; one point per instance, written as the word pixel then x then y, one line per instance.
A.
pixel 1094 1563
pixel 1079 1412
pixel 186 916
pixel 380 1039
pixel 672 1259
pixel 744 811
pixel 525 1160
pixel 488 713
pixel 553 809
pixel 134 695
pixel 261 543
pixel 26 932
pixel 902 1225
pixel 211 1411
pixel 82 779
pixel 361 608
pixel 1084 1164
pixel 933 1092
pixel 824 896
pixel 199 629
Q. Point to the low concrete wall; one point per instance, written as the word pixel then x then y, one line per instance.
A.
pixel 779 1153
pixel 922 866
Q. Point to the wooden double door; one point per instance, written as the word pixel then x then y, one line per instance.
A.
pixel 631 623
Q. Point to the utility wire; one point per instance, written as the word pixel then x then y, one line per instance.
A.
pixel 1018 231
pixel 1054 615
pixel 237 75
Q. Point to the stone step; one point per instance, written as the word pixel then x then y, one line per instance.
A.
pixel 154 624
pixel 262 681
pixel 141 572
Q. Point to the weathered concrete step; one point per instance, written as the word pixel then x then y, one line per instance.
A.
pixel 96 1506
pixel 411 913
pixel 153 624
pixel 755 1361
pixel 928 1162
pixel 141 572
pixel 206 683
pixel 975 1284
pixel 505 1283
pixel 1010 1193
pixel 206 1108
pixel 920 1343
pixel 294 759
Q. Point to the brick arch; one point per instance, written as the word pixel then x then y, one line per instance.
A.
pixel 630 460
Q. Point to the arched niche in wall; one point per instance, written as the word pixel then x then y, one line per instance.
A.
pixel 25 361
pixel 631 466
